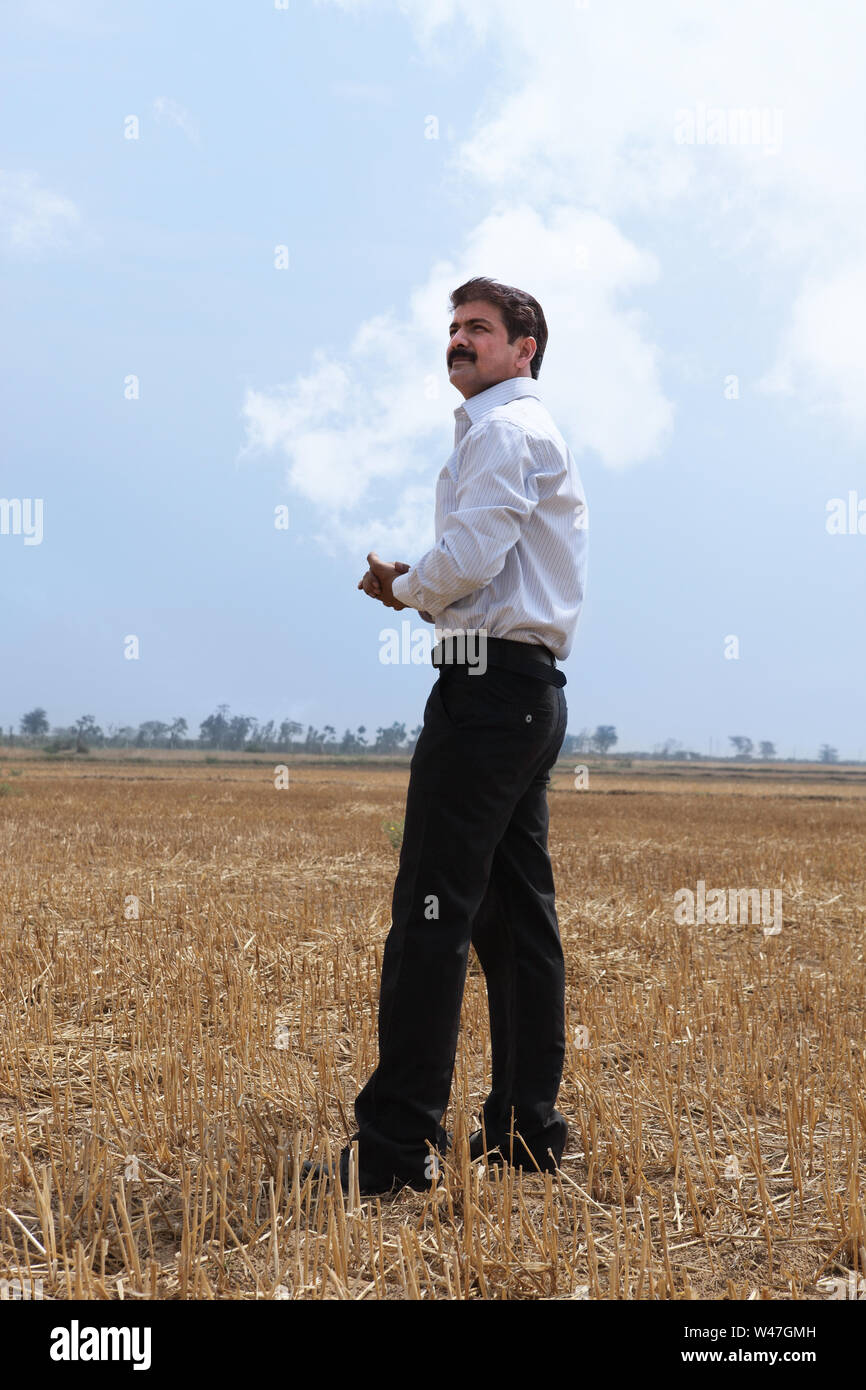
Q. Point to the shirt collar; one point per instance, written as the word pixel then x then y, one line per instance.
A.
pixel 501 393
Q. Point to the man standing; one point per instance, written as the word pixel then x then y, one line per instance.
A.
pixel 508 570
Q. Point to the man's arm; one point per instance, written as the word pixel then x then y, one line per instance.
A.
pixel 495 495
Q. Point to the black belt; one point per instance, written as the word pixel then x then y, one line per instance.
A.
pixel 529 658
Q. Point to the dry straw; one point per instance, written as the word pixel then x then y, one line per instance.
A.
pixel 190 967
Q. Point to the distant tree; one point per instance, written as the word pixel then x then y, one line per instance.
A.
pixel 213 730
pixel 86 729
pixel 414 736
pixel 671 748
pixel 767 750
pixel 313 740
pixel 389 740
pixel 261 737
pixel 828 754
pixel 288 729
pixel 150 733
pixel 362 735
pixel 742 746
pixel 176 732
pixel 238 729
pixel 62 738
pixel 604 738
pixel 34 723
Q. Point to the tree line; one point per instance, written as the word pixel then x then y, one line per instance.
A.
pixel 744 750
pixel 221 731
pixel 226 732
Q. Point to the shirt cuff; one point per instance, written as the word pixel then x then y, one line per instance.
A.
pixel 404 589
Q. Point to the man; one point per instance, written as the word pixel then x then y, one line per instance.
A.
pixel 508 569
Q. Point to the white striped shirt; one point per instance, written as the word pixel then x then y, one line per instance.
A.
pixel 511 526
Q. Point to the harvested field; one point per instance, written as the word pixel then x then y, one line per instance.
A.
pixel 190 968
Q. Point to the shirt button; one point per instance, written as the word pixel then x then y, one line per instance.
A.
pixel 529 718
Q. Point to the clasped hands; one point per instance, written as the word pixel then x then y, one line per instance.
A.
pixel 379 578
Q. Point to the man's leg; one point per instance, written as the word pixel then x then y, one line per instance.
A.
pixel 470 769
pixel 516 937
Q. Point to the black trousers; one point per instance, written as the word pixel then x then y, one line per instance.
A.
pixel 474 867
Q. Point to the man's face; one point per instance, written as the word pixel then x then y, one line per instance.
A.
pixel 479 353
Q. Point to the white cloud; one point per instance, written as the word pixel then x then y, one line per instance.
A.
pixel 403 534
pixel 165 108
pixel 33 219
pixel 580 128
pixel 348 424
pixel 583 110
pixel 587 98
pixel 385 411
pixel 822 360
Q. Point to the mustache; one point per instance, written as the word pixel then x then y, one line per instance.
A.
pixel 455 356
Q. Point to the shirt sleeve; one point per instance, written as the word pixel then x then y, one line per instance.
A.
pixel 495 495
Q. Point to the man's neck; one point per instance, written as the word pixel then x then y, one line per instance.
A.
pixel 516 376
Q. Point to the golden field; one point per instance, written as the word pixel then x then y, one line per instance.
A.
pixel 190 969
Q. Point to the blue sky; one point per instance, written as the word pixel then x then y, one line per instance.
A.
pixel 578 154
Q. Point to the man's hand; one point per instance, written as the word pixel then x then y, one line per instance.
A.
pixel 379 578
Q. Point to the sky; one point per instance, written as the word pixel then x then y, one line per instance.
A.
pixel 228 236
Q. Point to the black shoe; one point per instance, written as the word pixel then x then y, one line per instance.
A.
pixel 476 1147
pixel 367 1186
pixel 320 1173
pixel 497 1154
pixel 476 1150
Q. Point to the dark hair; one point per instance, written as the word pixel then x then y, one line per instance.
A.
pixel 521 313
